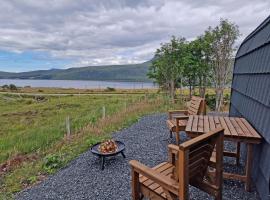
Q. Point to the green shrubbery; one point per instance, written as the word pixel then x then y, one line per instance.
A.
pixel 52 162
pixel 110 89
pixel 10 87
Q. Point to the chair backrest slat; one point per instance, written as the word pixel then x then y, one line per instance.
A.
pixel 196 106
pixel 200 155
pixel 198 152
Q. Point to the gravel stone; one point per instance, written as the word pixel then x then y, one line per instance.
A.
pixel 145 141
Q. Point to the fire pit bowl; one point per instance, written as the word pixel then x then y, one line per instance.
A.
pixel 120 149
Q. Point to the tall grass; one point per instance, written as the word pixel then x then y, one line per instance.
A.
pixel 29 126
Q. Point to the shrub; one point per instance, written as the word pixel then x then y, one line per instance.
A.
pixel 52 162
pixel 12 87
pixel 5 87
pixel 109 89
pixel 210 101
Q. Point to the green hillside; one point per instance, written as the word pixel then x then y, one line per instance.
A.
pixel 130 72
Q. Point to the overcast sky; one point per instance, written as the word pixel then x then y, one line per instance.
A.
pixel 44 34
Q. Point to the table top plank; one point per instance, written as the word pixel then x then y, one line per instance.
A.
pixel 242 125
pixel 217 122
pixel 230 126
pixel 212 123
pixel 189 123
pixel 235 128
pixel 206 124
pixel 195 124
pixel 250 128
pixel 224 125
pixel 200 124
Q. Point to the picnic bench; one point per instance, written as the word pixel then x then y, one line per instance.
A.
pixel 178 118
pixel 236 130
pixel 188 164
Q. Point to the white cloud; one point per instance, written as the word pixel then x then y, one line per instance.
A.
pixel 115 31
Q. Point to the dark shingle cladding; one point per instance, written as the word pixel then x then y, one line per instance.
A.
pixel 251 97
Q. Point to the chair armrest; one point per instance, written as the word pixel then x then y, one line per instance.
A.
pixel 171 112
pixel 173 153
pixel 181 117
pixel 173 148
pixel 164 181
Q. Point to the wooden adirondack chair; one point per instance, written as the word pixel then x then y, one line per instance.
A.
pixel 188 164
pixel 178 118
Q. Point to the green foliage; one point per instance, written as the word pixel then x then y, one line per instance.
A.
pixel 205 61
pixel 52 162
pixel 210 101
pixel 5 87
pixel 32 179
pixel 110 89
pixel 12 87
pixel 167 67
pixel 222 39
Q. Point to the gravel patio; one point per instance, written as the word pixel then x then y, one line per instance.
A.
pixel 145 141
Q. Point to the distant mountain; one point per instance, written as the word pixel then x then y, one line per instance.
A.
pixel 129 72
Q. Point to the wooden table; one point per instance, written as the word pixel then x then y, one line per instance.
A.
pixel 235 129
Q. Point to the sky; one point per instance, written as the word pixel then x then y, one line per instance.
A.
pixel 45 34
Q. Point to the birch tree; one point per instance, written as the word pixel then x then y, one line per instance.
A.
pixel 222 40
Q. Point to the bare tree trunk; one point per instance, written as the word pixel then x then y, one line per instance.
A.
pixel 202 88
pixel 219 98
pixel 190 90
pixel 172 90
pixel 202 92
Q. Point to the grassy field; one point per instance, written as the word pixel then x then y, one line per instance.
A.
pixel 32 135
pixel 29 125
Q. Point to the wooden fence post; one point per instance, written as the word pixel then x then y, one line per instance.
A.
pixel 125 106
pixel 68 127
pixel 103 112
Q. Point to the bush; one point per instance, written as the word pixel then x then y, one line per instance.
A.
pixel 210 101
pixel 109 89
pixel 12 87
pixel 5 87
pixel 52 162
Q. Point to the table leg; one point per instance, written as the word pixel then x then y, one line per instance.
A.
pixel 249 166
pixel 177 130
pixel 177 137
pixel 123 154
pixel 238 148
pixel 102 162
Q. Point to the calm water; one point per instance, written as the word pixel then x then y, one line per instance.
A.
pixel 77 84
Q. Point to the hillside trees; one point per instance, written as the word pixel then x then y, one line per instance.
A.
pixel 196 69
pixel 167 67
pixel 205 61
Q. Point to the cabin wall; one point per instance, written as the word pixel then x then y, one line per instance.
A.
pixel 250 98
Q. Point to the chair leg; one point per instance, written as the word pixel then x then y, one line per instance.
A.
pixel 219 195
pixel 238 148
pixel 135 185
pixel 177 137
